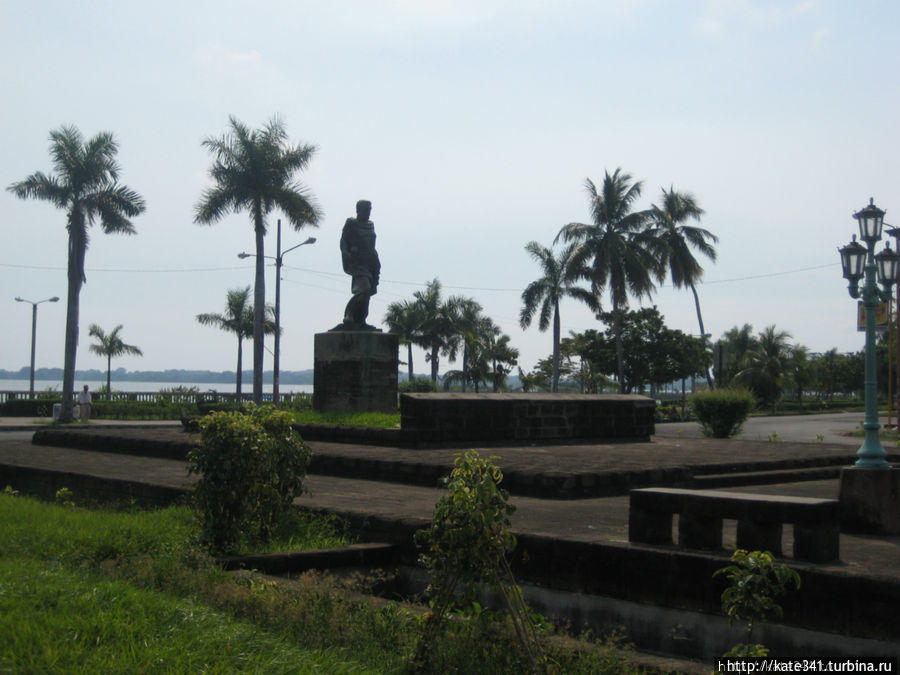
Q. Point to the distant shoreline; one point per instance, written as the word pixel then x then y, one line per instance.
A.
pixel 157 376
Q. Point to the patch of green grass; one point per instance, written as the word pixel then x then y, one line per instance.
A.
pixel 303 531
pixel 349 419
pixel 53 619
pixel 127 591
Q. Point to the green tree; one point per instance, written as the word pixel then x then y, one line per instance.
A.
pixel 558 280
pixel 109 346
pixel 404 318
pixel 436 332
pixel 238 319
pixel 765 365
pixel 617 247
pixel 86 186
pixel 800 374
pixel 676 240
pixel 731 350
pixel 502 357
pixel 254 170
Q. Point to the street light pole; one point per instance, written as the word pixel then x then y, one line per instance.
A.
pixel 858 261
pixel 279 259
pixel 33 335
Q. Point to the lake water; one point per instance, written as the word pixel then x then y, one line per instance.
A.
pixel 125 385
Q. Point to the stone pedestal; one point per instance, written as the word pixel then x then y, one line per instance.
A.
pixel 355 371
pixel 870 500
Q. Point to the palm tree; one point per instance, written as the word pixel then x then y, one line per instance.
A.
pixel 469 326
pixel 238 319
pixel 254 170
pixel 436 331
pixel 765 365
pixel 502 356
pixel 676 239
pixel 86 186
pixel 109 346
pixel 403 318
pixel 557 282
pixel 616 247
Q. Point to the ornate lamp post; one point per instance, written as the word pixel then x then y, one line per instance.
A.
pixel 33 332
pixel 278 262
pixel 858 261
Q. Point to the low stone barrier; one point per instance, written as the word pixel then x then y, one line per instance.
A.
pixel 759 520
pixel 454 417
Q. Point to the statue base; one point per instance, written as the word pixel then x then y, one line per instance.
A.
pixel 355 371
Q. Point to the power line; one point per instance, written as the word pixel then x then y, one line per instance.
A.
pixel 389 281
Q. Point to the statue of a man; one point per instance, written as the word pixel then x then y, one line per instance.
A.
pixel 361 262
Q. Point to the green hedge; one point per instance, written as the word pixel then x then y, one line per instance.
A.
pixel 29 407
pixel 722 412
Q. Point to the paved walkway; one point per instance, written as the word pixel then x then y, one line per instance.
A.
pixel 589 520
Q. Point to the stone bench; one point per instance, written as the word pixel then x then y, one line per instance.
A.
pixel 759 520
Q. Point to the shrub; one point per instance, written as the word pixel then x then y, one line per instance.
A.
pixel 755 580
pixel 467 547
pixel 29 407
pixel 722 412
pixel 251 467
pixel 418 385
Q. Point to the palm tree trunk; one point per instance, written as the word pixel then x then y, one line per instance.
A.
pixel 240 367
pixel 554 386
pixel 109 377
pixel 620 351
pixel 75 274
pixel 465 369
pixel 709 380
pixel 434 361
pixel 409 361
pixel 259 307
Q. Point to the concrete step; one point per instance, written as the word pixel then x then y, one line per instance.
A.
pixel 765 477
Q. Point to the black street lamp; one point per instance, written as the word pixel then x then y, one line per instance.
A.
pixel 33 333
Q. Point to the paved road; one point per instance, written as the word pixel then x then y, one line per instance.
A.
pixel 833 427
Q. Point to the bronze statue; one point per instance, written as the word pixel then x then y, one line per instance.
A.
pixel 361 262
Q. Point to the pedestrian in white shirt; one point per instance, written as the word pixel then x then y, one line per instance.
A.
pixel 84 404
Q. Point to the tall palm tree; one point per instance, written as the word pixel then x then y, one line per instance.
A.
pixel 766 365
pixel 558 280
pixel 676 238
pixel 86 186
pixel 436 332
pixel 238 319
pixel 616 247
pixel 109 346
pixel 403 318
pixel 254 170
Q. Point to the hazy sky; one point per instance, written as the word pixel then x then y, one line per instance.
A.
pixel 471 125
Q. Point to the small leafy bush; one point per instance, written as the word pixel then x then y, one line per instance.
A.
pixel 755 580
pixel 251 467
pixel 465 548
pixel 722 412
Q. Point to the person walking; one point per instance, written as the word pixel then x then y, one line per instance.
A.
pixel 84 404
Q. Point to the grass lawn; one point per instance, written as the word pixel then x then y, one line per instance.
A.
pixel 349 419
pixel 87 591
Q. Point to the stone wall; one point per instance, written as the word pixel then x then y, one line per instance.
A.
pixel 526 417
